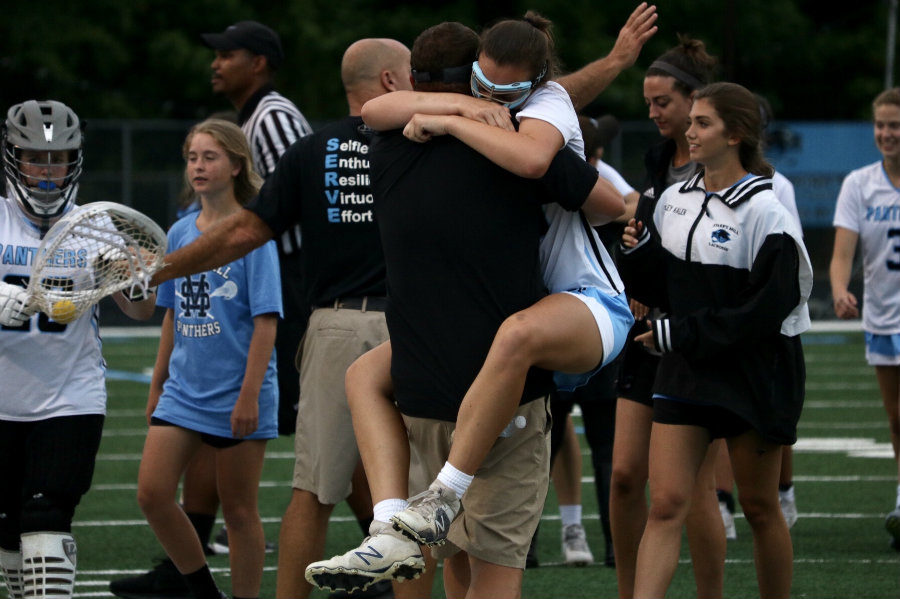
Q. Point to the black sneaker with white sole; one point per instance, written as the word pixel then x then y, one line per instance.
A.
pixel 163 581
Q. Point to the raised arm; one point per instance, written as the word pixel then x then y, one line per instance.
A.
pixel 394 110
pixel 586 83
pixel 228 240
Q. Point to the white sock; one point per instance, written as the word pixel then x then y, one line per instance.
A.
pixel 48 551
pixel 11 568
pixel 383 510
pixel 898 497
pixel 457 480
pixel 570 514
pixel 787 495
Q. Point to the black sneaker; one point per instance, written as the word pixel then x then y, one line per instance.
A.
pixel 164 580
pixel 219 545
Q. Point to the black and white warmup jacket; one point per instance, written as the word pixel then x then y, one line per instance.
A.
pixel 731 271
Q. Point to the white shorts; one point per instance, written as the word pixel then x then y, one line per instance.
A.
pixel 614 320
pixel 882 350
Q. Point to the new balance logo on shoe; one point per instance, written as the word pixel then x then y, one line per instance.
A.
pixel 371 553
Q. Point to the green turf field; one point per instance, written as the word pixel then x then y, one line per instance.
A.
pixel 844 478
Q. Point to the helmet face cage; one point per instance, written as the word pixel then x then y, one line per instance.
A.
pixel 42 157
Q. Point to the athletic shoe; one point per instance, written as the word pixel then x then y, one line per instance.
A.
pixel 788 509
pixel 164 580
pixel 384 555
pixel 728 521
pixel 427 518
pixel 219 545
pixel 892 525
pixel 378 590
pixel 575 546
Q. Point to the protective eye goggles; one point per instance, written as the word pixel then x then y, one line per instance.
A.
pixel 512 95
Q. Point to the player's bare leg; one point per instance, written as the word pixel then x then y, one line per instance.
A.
pixel 756 464
pixel 167 451
pixel 301 542
pixel 557 333
pixel 889 384
pixel 238 471
pixel 676 454
pixel 705 531
pixel 378 425
pixel 627 497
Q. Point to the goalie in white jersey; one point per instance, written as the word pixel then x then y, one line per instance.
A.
pixel 50 417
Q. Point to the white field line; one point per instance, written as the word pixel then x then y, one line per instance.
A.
pixel 544 518
pixel 587 480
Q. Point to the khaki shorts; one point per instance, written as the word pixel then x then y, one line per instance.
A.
pixel 324 446
pixel 503 505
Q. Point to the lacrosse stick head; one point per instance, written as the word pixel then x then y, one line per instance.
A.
pixel 92 252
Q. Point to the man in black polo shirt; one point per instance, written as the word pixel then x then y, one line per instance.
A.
pixel 322 183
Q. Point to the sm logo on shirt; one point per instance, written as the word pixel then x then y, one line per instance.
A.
pixel 195 295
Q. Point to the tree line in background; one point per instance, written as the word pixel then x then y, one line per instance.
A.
pixel 143 58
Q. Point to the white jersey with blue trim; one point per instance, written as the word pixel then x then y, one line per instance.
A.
pixel 615 178
pixel 572 255
pixel 49 369
pixel 869 205
pixel 784 191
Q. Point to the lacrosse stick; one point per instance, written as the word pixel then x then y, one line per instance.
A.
pixel 90 253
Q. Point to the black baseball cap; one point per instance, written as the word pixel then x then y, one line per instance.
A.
pixel 250 35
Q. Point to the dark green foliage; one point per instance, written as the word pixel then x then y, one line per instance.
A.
pixel 144 59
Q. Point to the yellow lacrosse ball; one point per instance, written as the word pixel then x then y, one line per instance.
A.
pixel 63 311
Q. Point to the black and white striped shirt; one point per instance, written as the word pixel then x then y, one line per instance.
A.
pixel 272 123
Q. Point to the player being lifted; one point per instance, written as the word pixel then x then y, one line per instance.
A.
pixel 51 417
pixel 574 331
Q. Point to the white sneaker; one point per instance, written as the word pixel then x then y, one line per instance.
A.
pixel 575 546
pixel 384 555
pixel 728 521
pixel 788 509
pixel 427 518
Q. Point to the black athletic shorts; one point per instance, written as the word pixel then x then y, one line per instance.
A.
pixel 720 422
pixel 637 370
pixel 211 440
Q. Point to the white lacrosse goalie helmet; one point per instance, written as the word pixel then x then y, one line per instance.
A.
pixel 40 137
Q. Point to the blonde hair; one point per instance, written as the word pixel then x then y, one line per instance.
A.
pixel 228 135
pixel 888 96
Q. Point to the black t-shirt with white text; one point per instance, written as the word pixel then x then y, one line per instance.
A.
pixel 322 182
